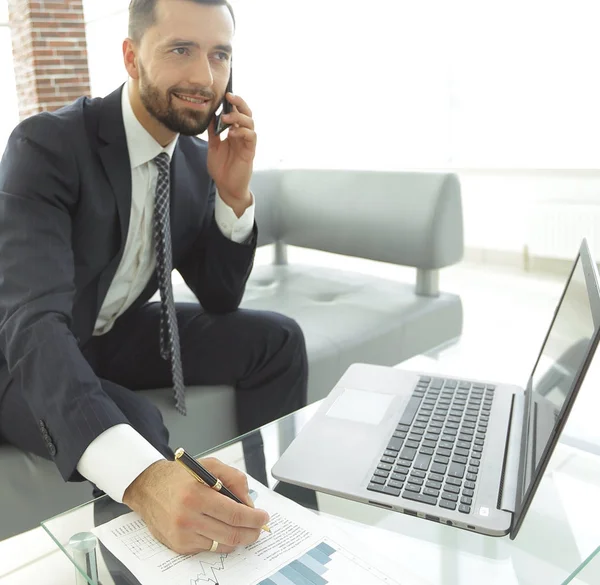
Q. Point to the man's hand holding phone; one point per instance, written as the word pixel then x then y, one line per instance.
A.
pixel 230 161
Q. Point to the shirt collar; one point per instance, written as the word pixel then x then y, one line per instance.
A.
pixel 141 145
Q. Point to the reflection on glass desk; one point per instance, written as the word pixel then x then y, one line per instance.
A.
pixel 559 541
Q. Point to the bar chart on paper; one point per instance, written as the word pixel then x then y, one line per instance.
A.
pixel 328 564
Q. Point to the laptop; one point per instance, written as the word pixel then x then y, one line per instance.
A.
pixel 465 453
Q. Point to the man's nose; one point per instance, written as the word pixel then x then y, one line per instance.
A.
pixel 201 73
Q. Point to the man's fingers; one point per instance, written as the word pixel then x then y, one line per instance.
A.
pixel 226 534
pixel 244 134
pixel 238 119
pixel 222 508
pixel 241 105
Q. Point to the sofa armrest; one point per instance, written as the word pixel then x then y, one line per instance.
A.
pixel 411 219
pixel 266 187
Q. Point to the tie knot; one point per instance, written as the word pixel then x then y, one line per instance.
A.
pixel 163 161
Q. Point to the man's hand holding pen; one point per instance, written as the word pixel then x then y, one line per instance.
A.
pixel 189 517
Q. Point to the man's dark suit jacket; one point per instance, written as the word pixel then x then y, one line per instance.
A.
pixel 65 200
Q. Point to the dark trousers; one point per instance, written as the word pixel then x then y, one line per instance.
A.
pixel 262 354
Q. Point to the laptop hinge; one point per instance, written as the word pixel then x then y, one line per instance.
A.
pixel 507 497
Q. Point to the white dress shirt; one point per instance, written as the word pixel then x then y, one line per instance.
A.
pixel 102 462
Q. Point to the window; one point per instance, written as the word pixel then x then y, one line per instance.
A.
pixel 8 95
pixel 401 84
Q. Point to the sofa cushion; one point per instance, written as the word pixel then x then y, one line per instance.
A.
pixel 348 317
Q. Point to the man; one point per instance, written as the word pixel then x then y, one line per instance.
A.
pixel 96 201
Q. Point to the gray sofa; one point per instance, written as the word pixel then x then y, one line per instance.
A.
pixel 409 219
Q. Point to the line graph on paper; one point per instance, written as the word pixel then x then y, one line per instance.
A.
pixel 136 537
pixel 208 572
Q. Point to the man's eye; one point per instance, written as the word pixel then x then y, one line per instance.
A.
pixel 180 51
pixel 222 56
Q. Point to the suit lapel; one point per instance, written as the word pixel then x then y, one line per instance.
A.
pixel 114 156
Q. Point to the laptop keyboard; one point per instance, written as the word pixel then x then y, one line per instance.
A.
pixel 434 455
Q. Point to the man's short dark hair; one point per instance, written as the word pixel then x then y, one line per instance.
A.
pixel 142 15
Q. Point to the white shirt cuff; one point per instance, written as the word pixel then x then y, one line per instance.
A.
pixel 237 229
pixel 112 469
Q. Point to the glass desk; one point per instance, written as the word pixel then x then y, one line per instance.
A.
pixel 558 544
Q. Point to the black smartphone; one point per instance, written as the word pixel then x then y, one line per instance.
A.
pixel 226 108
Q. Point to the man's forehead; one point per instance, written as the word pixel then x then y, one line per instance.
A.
pixel 203 24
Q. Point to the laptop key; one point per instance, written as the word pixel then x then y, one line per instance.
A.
pixel 395 445
pixel 422 498
pixel 448 505
pixel 401 427
pixel 422 462
pixel 435 477
pixel 452 489
pixel 395 483
pixel 399 476
pixel 461 451
pixel 436 424
pixel 456 470
pixel 413 487
pixel 459 459
pixel 477 449
pixel 389 453
pixel 453 481
pixel 399 435
pixel 446 445
pixel 473 470
pixel 431 492
pixel 467 501
pixel 448 438
pixel 435 485
pixel 465 438
pixel 464 509
pixel 449 497
pixel 417 433
pixel 444 452
pixel 381 473
pixel 378 480
pixel 415 480
pixel 476 455
pixel 470 485
pixel 414 436
pixel 412 444
pixel 439 468
pixel 408 454
pixel 410 411
pixel 436 383
pixel 431 437
pixel 402 463
pixel 471 477
pixel 427 443
pixel 375 487
pixel 384 466
pixel 441 459
pixel 391 491
pixel 426 450
pixel 468 492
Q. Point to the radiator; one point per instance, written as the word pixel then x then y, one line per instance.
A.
pixel 555 230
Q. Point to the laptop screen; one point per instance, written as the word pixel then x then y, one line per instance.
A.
pixel 557 373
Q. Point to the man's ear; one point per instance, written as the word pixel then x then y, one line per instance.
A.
pixel 130 58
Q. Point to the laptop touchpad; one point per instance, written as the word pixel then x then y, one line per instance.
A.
pixel 361 406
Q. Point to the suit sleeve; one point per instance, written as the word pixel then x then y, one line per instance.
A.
pixel 216 268
pixel 38 194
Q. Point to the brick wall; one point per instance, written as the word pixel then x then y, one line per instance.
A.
pixel 50 53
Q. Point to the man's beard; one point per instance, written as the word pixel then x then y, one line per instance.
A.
pixel 184 121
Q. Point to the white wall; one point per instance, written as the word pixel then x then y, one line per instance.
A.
pixel 459 84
